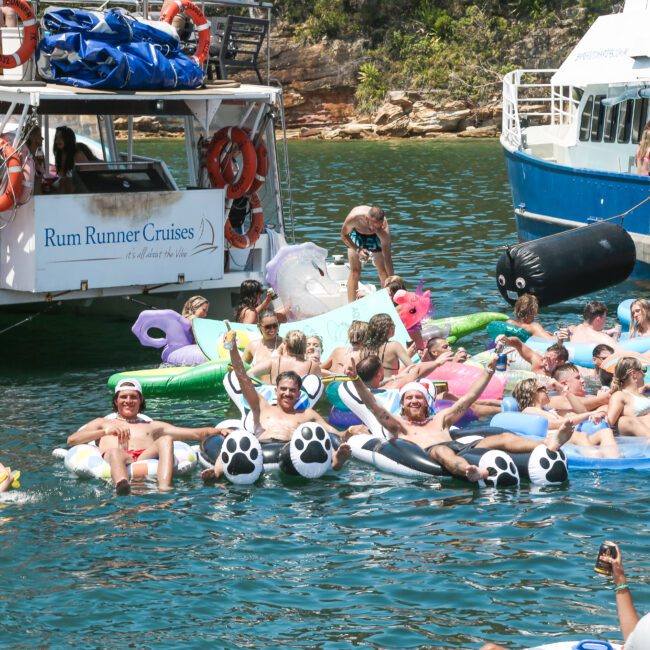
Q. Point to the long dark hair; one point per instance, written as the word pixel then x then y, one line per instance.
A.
pixel 249 294
pixel 64 158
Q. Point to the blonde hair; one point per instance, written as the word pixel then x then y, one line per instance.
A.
pixel 524 392
pixel 192 304
pixel 645 308
pixel 526 305
pixel 315 336
pixel 624 368
pixel 295 343
pixel 644 145
pixel 358 331
pixel 391 278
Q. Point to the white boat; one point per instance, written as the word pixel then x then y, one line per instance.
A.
pixel 130 228
pixel 570 135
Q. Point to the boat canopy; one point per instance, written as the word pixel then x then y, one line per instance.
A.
pixel 615 50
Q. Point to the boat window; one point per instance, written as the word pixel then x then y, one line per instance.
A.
pixel 640 117
pixel 611 118
pixel 585 119
pixel 625 121
pixel 598 121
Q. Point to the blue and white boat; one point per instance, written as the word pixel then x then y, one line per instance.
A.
pixel 570 135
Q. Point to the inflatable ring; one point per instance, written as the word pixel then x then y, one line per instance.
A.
pixel 15 171
pixel 199 20
pixel 262 166
pixel 220 171
pixel 246 241
pixel 30 35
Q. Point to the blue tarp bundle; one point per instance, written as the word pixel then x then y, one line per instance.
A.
pixel 113 51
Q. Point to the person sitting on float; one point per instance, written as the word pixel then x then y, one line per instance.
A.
pixel 131 436
pixel 293 358
pixel 430 432
pixel 195 307
pixel 314 348
pixel 438 345
pixel 542 364
pixel 525 310
pixel 337 361
pixel 270 345
pixel 8 478
pixel 591 330
pixel 380 330
pixel 642 156
pixel 629 406
pixel 640 318
pixel 573 393
pixel 635 630
pixel 251 304
pixel 276 422
pixel 533 398
pixel 599 354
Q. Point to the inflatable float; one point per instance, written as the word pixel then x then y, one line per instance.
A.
pixel 396 456
pixel 459 326
pixel 586 644
pixel 496 328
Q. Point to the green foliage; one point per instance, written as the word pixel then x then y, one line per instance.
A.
pixel 328 18
pixel 372 87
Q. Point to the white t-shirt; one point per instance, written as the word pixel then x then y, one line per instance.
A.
pixel 640 637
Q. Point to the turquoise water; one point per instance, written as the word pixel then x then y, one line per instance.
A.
pixel 356 559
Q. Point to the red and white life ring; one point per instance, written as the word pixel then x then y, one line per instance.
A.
pixel 199 20
pixel 257 222
pixel 262 166
pixel 30 35
pixel 14 171
pixel 220 171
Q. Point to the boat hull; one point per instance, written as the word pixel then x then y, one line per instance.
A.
pixel 549 198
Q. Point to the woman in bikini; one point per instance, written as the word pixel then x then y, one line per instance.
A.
pixel 269 345
pixel 391 353
pixel 640 318
pixel 642 157
pixel 339 359
pixel 251 304
pixel 532 398
pixel 295 348
pixel 629 408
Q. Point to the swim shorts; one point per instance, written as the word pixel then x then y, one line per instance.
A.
pixel 369 242
pixel 457 447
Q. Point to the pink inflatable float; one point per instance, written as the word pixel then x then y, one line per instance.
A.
pixel 412 307
pixel 460 376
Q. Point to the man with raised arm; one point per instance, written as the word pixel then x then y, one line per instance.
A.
pixel 129 435
pixel 276 422
pixel 366 232
pixel 431 432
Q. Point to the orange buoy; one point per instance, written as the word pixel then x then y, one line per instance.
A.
pixel 221 172
pixel 30 35
pixel 14 168
pixel 257 222
pixel 199 20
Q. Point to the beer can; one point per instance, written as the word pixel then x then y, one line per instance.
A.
pixel 608 549
pixel 502 363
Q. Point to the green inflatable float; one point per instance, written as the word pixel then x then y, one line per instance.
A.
pixel 456 327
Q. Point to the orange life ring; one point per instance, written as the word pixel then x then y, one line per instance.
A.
pixel 30 35
pixel 221 173
pixel 228 170
pixel 14 170
pixel 254 232
pixel 199 20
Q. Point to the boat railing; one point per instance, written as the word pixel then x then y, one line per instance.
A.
pixel 529 98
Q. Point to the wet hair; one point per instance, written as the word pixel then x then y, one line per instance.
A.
pixel 358 331
pixel 143 404
pixel 64 158
pixel 295 343
pixel 624 368
pixel 249 295
pixel 379 329
pixel 192 304
pixel 376 213
pixel 266 313
pixel 645 308
pixel 526 305
pixel 524 392
pixel 367 368
pixel 291 375
pixel 565 370
pixel 394 286
pixel 593 309
pixel 600 348
pixel 560 351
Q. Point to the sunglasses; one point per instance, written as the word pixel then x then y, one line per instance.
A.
pixel 270 326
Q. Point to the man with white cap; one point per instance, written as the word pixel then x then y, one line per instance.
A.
pixel 430 431
pixel 127 435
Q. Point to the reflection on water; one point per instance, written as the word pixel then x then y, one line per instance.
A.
pixel 358 558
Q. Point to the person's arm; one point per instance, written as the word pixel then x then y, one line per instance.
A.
pixel 576 405
pixel 386 246
pixel 245 383
pixel 248 355
pixel 402 355
pixel 454 413
pixel 265 304
pixel 535 329
pixel 97 429
pixel 386 419
pixel 615 408
pixel 417 370
pixel 526 353
pixel 346 229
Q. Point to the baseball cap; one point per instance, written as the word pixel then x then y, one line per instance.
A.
pixel 128 384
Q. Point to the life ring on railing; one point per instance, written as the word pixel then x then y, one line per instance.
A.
pixel 30 35
pixel 199 20
pixel 228 171
pixel 221 173
pixel 14 170
pixel 257 221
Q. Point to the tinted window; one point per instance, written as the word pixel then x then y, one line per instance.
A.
pixel 585 119
pixel 640 117
pixel 598 121
pixel 625 121
pixel 611 116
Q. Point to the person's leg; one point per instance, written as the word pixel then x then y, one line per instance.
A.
pixel 213 473
pixel 354 275
pixel 631 426
pixel 514 444
pixel 380 265
pixel 456 465
pixel 606 440
pixel 117 460
pixel 163 450
pixel 340 456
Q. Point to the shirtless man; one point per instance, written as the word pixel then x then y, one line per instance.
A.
pixel 591 330
pixel 574 396
pixel 276 422
pixel 437 346
pixel 525 310
pixel 131 436
pixel 542 364
pixel 365 231
pixel 431 433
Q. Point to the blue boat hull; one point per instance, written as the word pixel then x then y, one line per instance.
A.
pixel 543 190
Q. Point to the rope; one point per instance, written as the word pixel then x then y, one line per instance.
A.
pixel 25 320
pixel 137 302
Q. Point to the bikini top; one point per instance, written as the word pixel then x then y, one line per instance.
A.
pixel 641 404
pixel 274 353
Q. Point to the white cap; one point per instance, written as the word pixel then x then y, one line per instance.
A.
pixel 640 637
pixel 128 384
